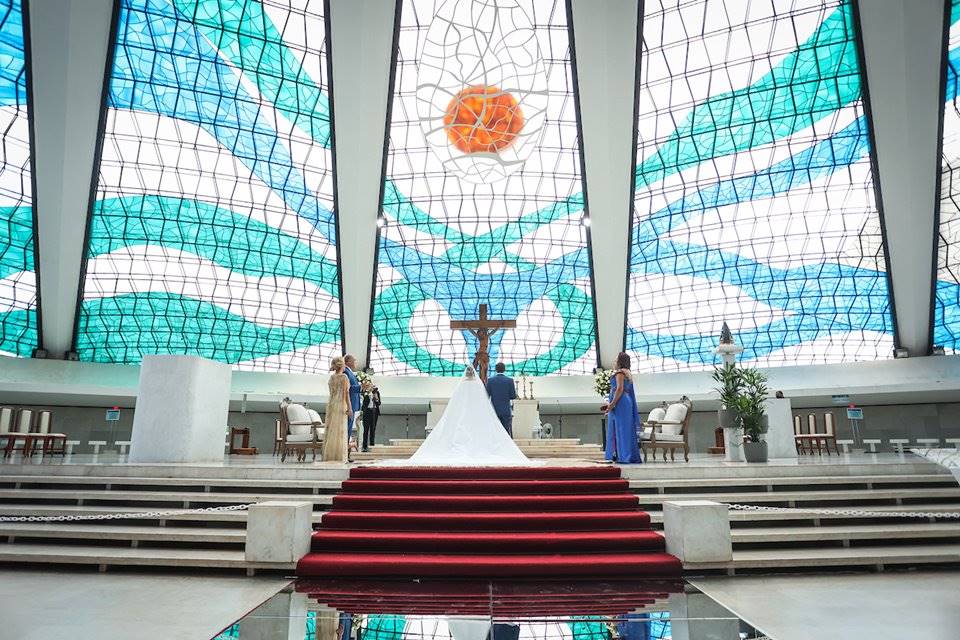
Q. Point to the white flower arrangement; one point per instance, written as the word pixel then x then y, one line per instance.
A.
pixel 601 382
pixel 365 380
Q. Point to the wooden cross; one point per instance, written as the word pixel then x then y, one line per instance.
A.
pixel 482 328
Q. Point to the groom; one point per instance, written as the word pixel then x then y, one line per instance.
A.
pixel 502 390
pixel 351 364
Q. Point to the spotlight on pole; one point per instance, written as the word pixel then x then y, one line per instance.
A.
pixel 585 221
pixel 381 221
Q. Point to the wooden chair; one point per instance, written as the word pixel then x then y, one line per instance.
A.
pixel 9 430
pixel 298 432
pixel 277 438
pixel 677 423
pixel 51 443
pixel 20 429
pixel 806 440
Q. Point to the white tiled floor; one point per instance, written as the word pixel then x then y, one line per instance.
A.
pixel 887 606
pixel 46 605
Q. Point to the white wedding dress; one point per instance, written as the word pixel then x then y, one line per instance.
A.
pixel 468 434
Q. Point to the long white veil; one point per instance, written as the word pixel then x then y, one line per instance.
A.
pixel 468 434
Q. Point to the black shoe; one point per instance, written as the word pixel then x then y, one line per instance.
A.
pixel 365 450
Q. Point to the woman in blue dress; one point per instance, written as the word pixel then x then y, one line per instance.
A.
pixel 623 418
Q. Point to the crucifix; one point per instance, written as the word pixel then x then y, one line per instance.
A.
pixel 482 328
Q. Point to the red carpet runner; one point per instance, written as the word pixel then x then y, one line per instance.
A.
pixel 522 522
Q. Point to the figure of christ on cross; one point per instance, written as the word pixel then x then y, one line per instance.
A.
pixel 482 328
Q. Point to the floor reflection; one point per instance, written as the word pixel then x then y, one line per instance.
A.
pixel 483 610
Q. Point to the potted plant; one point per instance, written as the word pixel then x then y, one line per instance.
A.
pixel 751 411
pixel 729 383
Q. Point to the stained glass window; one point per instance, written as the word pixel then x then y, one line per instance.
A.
pixel 754 198
pixel 483 197
pixel 18 280
pixel 946 310
pixel 213 231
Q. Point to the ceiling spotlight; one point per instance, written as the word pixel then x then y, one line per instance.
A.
pixel 381 222
pixel 938 350
pixel 585 221
pixel 901 353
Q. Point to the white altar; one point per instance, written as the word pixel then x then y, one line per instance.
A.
pixel 780 442
pixel 526 416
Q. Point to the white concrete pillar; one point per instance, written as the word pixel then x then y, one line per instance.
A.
pixel 182 407
pixel 278 531
pixel 697 530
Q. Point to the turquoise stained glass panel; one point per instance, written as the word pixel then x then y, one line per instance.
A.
pixel 18 278
pixel 213 231
pixel 483 196
pixel 754 196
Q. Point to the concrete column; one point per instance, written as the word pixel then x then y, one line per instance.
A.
pixel 605 35
pixel 69 42
pixel 902 41
pixel 360 52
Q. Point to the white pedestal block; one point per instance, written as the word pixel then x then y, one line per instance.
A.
pixel 780 442
pixel 526 418
pixel 697 530
pixel 733 444
pixel 278 531
pixel 437 407
pixel 282 617
pixel 181 415
pixel 695 616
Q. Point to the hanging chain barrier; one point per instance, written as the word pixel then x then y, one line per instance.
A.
pixel 926 515
pixel 141 515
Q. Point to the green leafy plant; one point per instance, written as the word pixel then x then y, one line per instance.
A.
pixel 750 403
pixel 729 383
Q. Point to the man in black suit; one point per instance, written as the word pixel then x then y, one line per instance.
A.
pixel 371 413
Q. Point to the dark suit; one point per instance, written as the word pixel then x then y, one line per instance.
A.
pixel 371 413
pixel 502 390
pixel 354 399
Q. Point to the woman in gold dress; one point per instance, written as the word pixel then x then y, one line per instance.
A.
pixel 338 408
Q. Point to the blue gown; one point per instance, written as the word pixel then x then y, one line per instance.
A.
pixel 623 424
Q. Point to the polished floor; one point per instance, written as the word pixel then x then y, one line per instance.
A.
pixel 887 606
pixel 54 605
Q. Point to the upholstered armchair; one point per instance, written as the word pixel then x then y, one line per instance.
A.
pixel 299 431
pixel 666 427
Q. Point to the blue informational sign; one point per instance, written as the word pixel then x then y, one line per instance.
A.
pixel 854 414
pixel 113 415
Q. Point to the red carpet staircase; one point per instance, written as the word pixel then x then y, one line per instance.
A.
pixel 521 522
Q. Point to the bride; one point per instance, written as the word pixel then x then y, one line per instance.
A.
pixel 468 434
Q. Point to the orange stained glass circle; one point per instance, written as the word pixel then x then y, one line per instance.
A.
pixel 482 118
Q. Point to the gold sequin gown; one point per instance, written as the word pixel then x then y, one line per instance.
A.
pixel 335 440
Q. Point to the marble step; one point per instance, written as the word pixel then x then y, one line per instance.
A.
pixel 203 483
pixel 874 556
pixel 946 479
pixel 184 497
pixel 118 531
pixel 906 531
pixel 706 484
pixel 178 514
pixel 128 556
